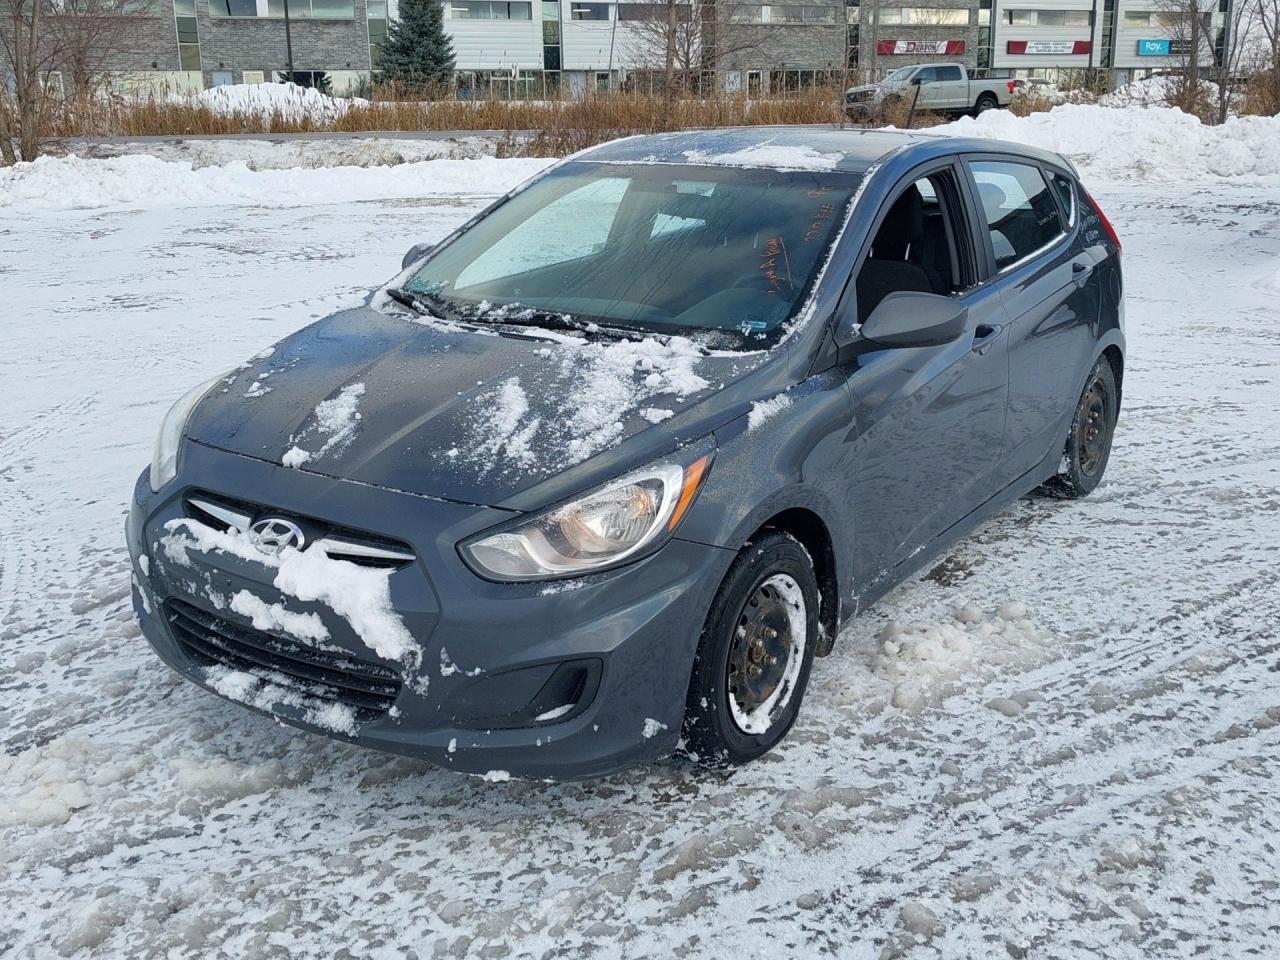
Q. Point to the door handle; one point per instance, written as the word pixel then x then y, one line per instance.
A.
pixel 1080 270
pixel 984 336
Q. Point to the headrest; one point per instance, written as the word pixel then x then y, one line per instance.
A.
pixel 903 225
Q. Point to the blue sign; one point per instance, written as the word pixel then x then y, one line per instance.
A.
pixel 1153 48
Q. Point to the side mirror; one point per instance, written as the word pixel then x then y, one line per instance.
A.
pixel 416 252
pixel 916 81
pixel 905 319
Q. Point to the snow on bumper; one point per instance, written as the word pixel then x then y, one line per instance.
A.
pixel 478 653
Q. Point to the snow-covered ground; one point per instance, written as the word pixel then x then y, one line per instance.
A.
pixel 1062 740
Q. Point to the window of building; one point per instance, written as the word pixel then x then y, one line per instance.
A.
pixel 490 10
pixel 589 11
pixel 1021 213
pixel 924 17
pixel 1048 18
pixel 234 8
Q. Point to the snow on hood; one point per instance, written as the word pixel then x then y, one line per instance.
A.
pixel 451 412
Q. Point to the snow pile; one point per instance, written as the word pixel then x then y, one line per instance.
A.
pixel 61 183
pixel 1135 143
pixel 360 595
pixel 268 101
pixel 44 785
pixel 336 419
pixel 1153 92
pixel 767 155
pixel 924 661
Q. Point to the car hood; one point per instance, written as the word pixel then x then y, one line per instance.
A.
pixel 448 411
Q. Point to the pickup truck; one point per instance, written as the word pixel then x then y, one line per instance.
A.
pixel 944 87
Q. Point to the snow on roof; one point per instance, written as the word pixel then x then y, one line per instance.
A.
pixel 769 156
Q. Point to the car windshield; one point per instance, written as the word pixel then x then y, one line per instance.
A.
pixel 651 247
pixel 900 74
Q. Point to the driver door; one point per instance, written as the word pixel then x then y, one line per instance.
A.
pixel 928 422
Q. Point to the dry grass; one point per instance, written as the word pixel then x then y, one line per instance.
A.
pixel 559 125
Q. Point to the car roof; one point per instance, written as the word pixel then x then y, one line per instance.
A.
pixel 859 149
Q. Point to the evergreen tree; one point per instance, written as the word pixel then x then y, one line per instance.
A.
pixel 417 53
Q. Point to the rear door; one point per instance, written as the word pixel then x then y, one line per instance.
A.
pixel 1044 274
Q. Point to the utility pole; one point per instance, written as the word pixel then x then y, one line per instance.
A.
pixel 288 41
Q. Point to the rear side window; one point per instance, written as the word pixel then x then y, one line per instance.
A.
pixel 1066 195
pixel 949 73
pixel 1021 214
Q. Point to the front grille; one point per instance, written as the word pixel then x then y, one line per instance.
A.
pixel 323 675
pixel 338 543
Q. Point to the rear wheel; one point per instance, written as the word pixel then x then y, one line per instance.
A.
pixel 1088 446
pixel 754 655
pixel 985 102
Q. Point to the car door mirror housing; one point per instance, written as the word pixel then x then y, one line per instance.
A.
pixel 416 252
pixel 908 319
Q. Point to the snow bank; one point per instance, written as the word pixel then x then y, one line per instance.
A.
pixel 287 101
pixel 62 183
pixel 1136 143
pixel 1153 92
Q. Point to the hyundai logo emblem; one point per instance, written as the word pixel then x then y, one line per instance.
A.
pixel 272 535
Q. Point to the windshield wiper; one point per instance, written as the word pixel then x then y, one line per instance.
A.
pixel 549 320
pixel 423 303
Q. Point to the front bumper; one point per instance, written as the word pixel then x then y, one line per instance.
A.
pixel 487 648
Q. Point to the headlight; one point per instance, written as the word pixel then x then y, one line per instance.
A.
pixel 608 526
pixel 164 459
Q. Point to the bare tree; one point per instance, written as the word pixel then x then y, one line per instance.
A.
pixel 1266 49
pixel 48 48
pixel 1207 51
pixel 28 65
pixel 90 34
pixel 689 38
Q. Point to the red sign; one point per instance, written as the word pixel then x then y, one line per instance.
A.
pixel 1050 47
pixel 920 48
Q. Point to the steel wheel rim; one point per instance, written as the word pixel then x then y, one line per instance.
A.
pixel 1092 428
pixel 766 653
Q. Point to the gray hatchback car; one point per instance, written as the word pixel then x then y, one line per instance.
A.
pixel 609 466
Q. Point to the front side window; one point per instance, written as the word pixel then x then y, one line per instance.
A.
pixel 654 247
pixel 1021 214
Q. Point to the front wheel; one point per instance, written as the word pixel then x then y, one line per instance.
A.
pixel 1088 446
pixel 754 655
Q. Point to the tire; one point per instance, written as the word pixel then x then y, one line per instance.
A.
pixel 733 714
pixel 1088 444
pixel 985 102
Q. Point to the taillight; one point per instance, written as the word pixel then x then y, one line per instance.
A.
pixel 1012 86
pixel 1106 224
